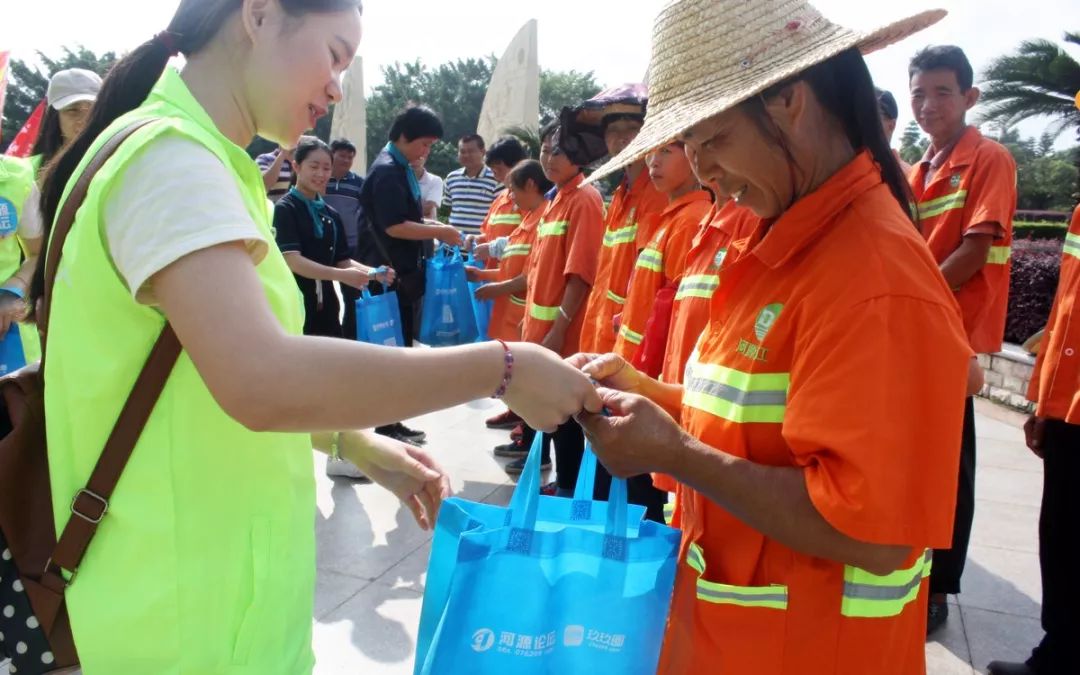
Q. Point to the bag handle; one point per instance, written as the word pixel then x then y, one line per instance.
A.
pixel 91 503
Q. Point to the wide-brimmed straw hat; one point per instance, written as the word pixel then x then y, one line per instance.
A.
pixel 710 55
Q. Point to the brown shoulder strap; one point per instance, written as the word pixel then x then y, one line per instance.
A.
pixel 90 504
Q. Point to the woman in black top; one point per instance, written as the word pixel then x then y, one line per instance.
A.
pixel 312 237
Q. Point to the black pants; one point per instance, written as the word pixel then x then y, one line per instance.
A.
pixel 948 564
pixel 348 326
pixel 1059 550
pixel 569 442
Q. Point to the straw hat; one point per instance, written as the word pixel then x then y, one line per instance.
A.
pixel 710 55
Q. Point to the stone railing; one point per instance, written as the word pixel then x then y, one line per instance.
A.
pixel 1008 374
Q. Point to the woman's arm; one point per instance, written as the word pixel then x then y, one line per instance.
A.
pixel 309 269
pixel 270 380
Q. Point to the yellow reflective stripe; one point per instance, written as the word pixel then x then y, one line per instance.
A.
pixel 936 207
pixel 743 398
pixel 543 313
pixel 868 595
pixel 998 255
pixel 651 259
pixel 669 511
pixel 698 286
pixel 630 336
pixel 768 597
pixel 505 219
pixel 621 236
pixel 520 302
pixel 553 229
pixel 516 250
pixel 1072 245
pixel 617 299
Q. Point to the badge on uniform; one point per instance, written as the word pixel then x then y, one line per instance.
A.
pixel 9 217
pixel 955 180
pixel 766 319
pixel 719 259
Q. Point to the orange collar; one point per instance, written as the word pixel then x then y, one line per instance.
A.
pixel 962 150
pixel 688 198
pixel 809 218
pixel 569 187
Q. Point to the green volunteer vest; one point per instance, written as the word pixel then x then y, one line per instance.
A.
pixel 16 181
pixel 205 562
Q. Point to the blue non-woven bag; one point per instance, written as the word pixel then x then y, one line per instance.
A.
pixel 378 319
pixel 481 308
pixel 12 356
pixel 557 585
pixel 447 318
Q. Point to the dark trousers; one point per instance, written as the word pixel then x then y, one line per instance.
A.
pixel 639 490
pixel 1059 550
pixel 948 564
pixel 569 441
pixel 349 295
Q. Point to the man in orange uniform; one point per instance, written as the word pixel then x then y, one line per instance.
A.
pixel 965 192
pixel 561 270
pixel 631 221
pixel 1053 433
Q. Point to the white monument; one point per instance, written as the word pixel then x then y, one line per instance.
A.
pixel 513 97
pixel 350 116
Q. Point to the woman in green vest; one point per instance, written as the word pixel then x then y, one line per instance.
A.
pixel 20 242
pixel 205 562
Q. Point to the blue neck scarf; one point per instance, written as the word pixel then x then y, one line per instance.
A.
pixel 316 207
pixel 414 185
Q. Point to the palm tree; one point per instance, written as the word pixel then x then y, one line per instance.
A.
pixel 1040 79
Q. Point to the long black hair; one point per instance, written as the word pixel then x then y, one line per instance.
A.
pixel 50 140
pixel 130 81
pixel 845 89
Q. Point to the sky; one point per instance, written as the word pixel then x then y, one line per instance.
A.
pixel 609 37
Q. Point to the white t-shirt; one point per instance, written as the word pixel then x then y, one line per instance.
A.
pixel 431 189
pixel 30 223
pixel 176 198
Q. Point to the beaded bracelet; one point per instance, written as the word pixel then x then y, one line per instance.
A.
pixel 508 371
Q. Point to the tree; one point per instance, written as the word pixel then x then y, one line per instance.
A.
pixel 913 143
pixel 27 83
pixel 1044 179
pixel 559 89
pixel 1040 79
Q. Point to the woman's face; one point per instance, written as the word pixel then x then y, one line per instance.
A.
pixel 557 167
pixel 313 173
pixel 732 152
pixel 294 69
pixel 527 198
pixel 669 168
pixel 417 149
pixel 73 119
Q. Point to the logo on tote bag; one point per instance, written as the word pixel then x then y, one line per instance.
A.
pixel 483 640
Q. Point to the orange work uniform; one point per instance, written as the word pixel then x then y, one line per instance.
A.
pixel 1055 386
pixel 567 243
pixel 974 187
pixel 660 263
pixel 807 363
pixel 630 223
pixel 502 219
pixel 508 311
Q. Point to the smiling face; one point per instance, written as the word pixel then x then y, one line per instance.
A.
pixel 557 167
pixel 939 104
pixel 293 72
pixel 313 173
pixel 731 152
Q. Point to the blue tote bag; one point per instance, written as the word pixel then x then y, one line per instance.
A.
pixel 447 319
pixel 481 308
pixel 561 585
pixel 12 356
pixel 378 319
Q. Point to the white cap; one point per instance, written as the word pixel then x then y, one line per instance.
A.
pixel 72 86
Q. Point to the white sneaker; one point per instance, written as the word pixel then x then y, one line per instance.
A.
pixel 343 468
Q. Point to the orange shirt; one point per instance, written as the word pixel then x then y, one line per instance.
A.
pixel 508 310
pixel 567 243
pixel 1055 386
pixel 660 263
pixel 976 185
pixel 807 363
pixel 502 219
pixel 631 220
pixel 722 225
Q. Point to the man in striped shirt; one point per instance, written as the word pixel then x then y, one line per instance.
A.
pixel 470 190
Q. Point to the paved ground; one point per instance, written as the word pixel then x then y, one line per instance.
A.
pixel 372 557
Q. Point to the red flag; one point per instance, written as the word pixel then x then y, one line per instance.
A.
pixel 23 143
